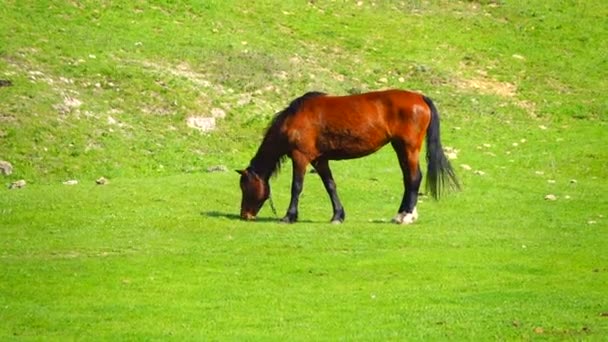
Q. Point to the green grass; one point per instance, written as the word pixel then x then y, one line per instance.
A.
pixel 159 253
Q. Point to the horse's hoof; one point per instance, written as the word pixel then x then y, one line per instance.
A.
pixel 287 220
pixel 406 218
pixel 398 218
pixel 336 221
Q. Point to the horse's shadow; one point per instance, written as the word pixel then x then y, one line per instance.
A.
pixel 236 217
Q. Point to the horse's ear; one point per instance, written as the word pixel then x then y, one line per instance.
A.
pixel 241 172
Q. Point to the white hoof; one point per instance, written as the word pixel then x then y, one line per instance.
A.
pixel 406 218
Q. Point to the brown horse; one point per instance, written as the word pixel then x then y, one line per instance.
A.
pixel 316 128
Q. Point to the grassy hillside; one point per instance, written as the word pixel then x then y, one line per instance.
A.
pixel 105 88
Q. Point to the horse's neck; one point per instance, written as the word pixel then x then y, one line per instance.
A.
pixel 266 160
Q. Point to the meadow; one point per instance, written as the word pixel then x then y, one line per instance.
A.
pixel 159 253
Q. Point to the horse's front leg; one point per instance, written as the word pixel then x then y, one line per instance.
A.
pixel 297 184
pixel 322 167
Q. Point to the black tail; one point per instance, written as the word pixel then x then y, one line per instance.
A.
pixel 439 170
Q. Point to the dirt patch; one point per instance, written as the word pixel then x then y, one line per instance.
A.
pixel 487 86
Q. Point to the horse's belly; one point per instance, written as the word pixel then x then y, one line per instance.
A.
pixel 345 146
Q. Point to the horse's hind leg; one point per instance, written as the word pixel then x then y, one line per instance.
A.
pixel 412 176
pixel 322 167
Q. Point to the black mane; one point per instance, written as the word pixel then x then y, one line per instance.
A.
pixel 272 138
pixel 293 108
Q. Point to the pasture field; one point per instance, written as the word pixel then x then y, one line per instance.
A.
pixel 105 89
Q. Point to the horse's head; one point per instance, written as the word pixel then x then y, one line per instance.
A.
pixel 255 192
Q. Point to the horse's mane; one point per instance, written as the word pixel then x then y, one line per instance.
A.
pixel 273 129
pixel 293 108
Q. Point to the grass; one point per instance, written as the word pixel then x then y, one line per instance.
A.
pixel 159 252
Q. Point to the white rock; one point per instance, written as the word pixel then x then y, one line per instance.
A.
pixel 102 181
pixel 202 124
pixel 466 167
pixel 551 197
pixel 6 168
pixel 18 184
pixel 218 113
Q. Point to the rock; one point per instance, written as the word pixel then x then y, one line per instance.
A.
pixel 102 181
pixel 202 124
pixel 217 168
pixel 17 184
pixel 465 167
pixel 218 113
pixel 70 182
pixel 5 83
pixel 450 152
pixel 550 197
pixel 479 173
pixel 6 168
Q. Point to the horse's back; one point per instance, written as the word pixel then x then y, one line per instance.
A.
pixel 341 127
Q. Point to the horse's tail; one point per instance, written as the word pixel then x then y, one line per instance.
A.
pixel 439 170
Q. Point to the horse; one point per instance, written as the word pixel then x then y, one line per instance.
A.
pixel 316 128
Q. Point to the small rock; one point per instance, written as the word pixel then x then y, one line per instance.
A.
pixel 551 197
pixel 102 181
pixel 465 167
pixel 5 83
pixel 217 168
pixel 70 182
pixel 6 168
pixel 218 113
pixel 479 173
pixel 17 184
pixel 591 222
pixel 202 124
pixel 573 181
pixel 551 181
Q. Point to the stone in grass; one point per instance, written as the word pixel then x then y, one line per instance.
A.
pixel 17 184
pixel 202 124
pixel 6 168
pixel 70 182
pixel 550 197
pixel 102 181
pixel 217 168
